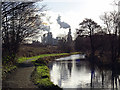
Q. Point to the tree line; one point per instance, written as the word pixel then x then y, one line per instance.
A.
pixel 97 39
pixel 19 21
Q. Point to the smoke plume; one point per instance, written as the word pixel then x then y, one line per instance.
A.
pixel 62 24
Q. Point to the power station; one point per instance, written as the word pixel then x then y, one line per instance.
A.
pixel 48 39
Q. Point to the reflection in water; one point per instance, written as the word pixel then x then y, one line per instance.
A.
pixel 70 67
pixel 77 73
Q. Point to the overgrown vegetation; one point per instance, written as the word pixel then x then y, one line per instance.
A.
pixel 7 69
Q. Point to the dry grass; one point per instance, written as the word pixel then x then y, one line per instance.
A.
pixel 28 51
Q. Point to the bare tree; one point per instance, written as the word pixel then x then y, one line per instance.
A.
pixel 111 21
pixel 19 21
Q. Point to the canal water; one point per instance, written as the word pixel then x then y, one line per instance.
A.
pixel 76 72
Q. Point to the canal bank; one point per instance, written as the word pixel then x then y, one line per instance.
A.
pixel 41 74
pixel 21 76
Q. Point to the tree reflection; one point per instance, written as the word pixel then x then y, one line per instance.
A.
pixel 105 78
pixel 95 76
pixel 102 79
pixel 115 77
pixel 70 67
pixel 92 74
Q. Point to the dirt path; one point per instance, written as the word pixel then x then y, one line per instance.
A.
pixel 21 77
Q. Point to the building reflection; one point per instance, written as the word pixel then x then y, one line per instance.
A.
pixel 74 73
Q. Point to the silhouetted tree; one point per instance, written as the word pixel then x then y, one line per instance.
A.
pixel 19 21
pixel 82 43
pixel 90 27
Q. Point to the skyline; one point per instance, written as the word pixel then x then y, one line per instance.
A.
pixel 73 12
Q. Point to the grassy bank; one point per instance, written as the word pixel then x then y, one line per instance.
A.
pixel 34 58
pixel 41 75
pixel 41 68
pixel 8 68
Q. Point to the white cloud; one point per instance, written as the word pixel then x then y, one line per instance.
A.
pixel 72 18
pixel 74 13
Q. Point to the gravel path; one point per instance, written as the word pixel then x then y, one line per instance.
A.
pixel 21 77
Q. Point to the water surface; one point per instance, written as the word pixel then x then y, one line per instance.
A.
pixel 75 72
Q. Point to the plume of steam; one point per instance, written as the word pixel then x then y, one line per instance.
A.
pixel 62 24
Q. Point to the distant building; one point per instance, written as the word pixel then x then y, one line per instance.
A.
pixel 69 37
pixel 48 39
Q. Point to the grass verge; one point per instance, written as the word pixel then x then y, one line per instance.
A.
pixel 41 77
pixel 34 58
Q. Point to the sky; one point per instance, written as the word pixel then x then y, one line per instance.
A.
pixel 73 12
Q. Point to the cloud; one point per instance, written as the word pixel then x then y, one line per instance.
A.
pixel 62 24
pixel 73 18
pixel 74 13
